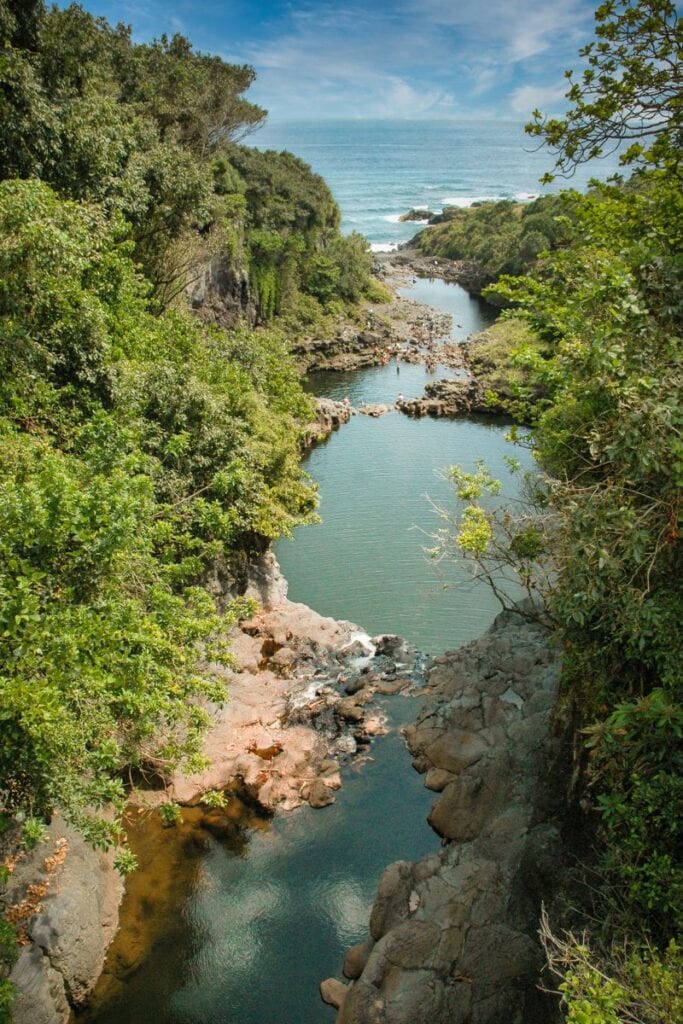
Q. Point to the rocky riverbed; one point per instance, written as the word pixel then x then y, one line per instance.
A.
pixel 301 704
pixel 453 937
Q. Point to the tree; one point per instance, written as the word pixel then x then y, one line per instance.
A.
pixel 631 91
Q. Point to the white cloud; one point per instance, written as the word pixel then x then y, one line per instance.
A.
pixel 529 97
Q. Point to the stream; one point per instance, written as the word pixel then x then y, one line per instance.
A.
pixel 242 930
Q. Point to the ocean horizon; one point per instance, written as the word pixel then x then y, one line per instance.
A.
pixel 378 170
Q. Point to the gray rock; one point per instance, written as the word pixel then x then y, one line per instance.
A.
pixel 39 990
pixel 456 750
pixel 455 934
pixel 69 936
pixel 356 958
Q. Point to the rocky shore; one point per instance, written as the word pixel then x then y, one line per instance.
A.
pixel 467 273
pixel 453 937
pixel 301 704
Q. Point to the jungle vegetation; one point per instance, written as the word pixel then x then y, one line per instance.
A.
pixel 138 447
pixel 601 538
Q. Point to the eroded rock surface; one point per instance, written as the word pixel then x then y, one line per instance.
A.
pixel 453 935
pixel 69 895
pixel 329 416
pixel 300 702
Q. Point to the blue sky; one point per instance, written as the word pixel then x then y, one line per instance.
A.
pixel 407 58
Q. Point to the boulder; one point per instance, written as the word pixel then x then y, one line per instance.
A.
pixel 319 795
pixel 333 992
pixel 356 958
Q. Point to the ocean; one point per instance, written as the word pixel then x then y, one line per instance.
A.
pixel 379 170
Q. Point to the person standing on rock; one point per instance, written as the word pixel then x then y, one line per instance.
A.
pixel 400 400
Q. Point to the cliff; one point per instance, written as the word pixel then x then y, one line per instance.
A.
pixel 452 937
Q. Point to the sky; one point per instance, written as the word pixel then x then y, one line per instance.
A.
pixel 381 58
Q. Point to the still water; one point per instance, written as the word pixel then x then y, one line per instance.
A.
pixel 242 930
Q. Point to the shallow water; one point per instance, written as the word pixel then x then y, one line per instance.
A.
pixel 379 480
pixel 249 926
pixel 254 925
pixel 469 313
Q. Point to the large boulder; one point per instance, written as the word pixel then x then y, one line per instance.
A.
pixel 453 936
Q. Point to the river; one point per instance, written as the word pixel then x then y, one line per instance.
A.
pixel 243 931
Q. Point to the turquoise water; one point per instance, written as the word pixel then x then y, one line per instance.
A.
pixel 251 935
pixel 252 927
pixel 378 170
pixel 379 480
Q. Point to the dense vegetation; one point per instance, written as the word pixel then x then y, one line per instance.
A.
pixel 138 448
pixel 503 237
pixel 602 543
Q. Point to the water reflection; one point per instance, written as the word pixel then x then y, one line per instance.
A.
pixel 241 929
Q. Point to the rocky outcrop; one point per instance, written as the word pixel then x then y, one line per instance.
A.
pixel 68 895
pixel 467 273
pixel 401 328
pixel 219 293
pixel 375 411
pixel 452 398
pixel 329 416
pixel 419 216
pixel 453 936
pixel 301 703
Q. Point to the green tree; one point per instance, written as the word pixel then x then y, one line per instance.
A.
pixel 630 92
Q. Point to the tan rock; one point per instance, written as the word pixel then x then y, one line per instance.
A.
pixel 333 992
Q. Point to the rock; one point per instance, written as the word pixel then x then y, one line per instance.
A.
pixel 420 216
pixel 39 990
pixel 389 645
pixel 70 934
pixel 354 684
pixel 356 959
pixel 375 411
pixel 455 934
pixel 329 416
pixel 456 750
pixel 319 795
pixel 375 727
pixel 219 825
pixel 333 992
pixel 284 659
pixel 349 710
pixel 389 687
pixel 437 779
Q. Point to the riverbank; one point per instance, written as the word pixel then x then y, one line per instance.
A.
pixel 301 704
pixel 453 937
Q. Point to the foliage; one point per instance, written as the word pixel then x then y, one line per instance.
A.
pixel 511 363
pixel 33 832
pixel 215 798
pixel 8 956
pixel 502 237
pixel 637 768
pixel 170 814
pixel 149 132
pixel 135 450
pixel 624 984
pixel 601 539
pixel 630 91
